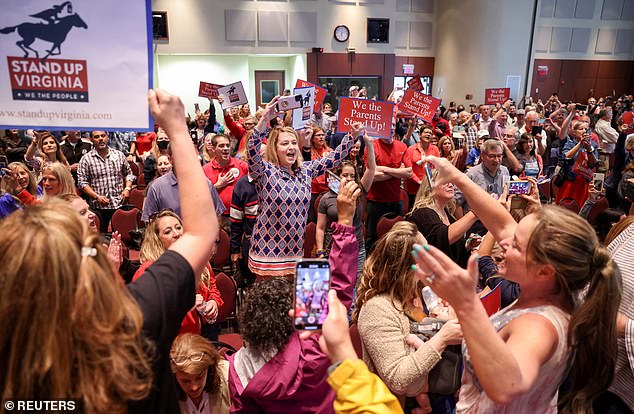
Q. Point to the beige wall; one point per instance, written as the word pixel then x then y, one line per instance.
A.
pixel 479 44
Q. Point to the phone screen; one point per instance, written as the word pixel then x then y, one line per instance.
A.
pixel 312 281
pixel 541 121
pixel 519 187
pixel 536 130
pixel 429 176
pixel 196 107
pixel 597 180
pixel 334 182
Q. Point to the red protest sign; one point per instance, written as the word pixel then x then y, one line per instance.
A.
pixel 375 115
pixel 419 104
pixel 208 90
pixel 320 93
pixel 496 95
pixel 415 83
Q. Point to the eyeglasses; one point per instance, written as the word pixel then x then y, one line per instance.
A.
pixel 156 214
pixel 183 359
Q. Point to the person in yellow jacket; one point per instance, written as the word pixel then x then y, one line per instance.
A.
pixel 358 390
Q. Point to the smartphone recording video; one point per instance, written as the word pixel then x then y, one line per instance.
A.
pixel 312 281
pixel 519 187
pixel 334 182
pixel 597 180
pixel 286 103
pixel 536 130
pixel 429 176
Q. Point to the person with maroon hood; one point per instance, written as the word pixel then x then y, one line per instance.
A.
pixel 278 370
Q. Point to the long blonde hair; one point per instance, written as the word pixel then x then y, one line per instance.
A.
pixel 32 187
pixel 68 329
pixel 426 197
pixel 389 269
pixel 271 147
pixel 63 175
pixel 152 247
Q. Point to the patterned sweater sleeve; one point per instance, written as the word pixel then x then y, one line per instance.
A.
pixel 257 165
pixel 332 160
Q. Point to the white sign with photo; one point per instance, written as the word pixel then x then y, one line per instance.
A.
pixel 232 95
pixel 76 65
pixel 303 114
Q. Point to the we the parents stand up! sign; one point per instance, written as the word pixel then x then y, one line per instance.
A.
pixel 376 116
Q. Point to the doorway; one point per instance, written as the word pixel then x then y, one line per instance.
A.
pixel 268 84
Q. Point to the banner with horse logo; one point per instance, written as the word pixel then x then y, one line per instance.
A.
pixel 76 65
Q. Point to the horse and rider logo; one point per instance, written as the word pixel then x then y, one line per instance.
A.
pixel 59 19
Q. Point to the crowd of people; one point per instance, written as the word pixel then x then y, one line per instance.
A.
pixel 531 200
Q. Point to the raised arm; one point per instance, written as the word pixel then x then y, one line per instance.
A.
pixel 492 214
pixel 334 158
pixel 345 248
pixel 200 224
pixel 529 340
pixel 370 170
pixel 254 158
pixel 563 132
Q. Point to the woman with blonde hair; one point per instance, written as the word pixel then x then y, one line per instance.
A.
pixel 201 375
pixel 17 188
pixel 208 148
pixel 432 213
pixel 388 300
pixel 57 180
pixel 68 329
pixel 49 150
pixel 458 157
pixel 564 319
pixel 318 149
pixel 283 187
pixel 162 230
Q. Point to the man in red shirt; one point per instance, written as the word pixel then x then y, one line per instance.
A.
pixel 223 171
pixel 415 154
pixel 384 195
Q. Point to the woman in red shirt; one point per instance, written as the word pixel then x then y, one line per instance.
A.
pixel 163 229
pixel 318 149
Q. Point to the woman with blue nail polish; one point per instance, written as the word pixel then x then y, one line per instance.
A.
pixel 563 322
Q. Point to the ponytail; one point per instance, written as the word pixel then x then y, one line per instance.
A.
pixel 584 270
pixel 592 335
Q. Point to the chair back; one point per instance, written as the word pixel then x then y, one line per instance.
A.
pixel 386 223
pixel 571 204
pixel 124 220
pixel 227 288
pixel 137 198
pixel 492 301
pixel 600 206
pixel 140 181
pixel 309 240
pixel 134 167
pixel 223 251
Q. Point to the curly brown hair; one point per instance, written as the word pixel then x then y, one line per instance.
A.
pixel 264 321
pixel 389 269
